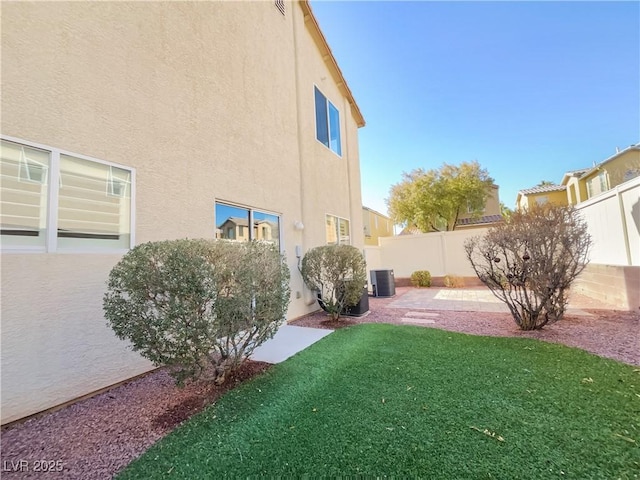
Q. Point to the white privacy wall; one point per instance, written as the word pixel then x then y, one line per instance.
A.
pixel 441 253
pixel 613 221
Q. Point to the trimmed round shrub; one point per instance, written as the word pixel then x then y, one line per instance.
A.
pixel 338 273
pixel 421 278
pixel 199 307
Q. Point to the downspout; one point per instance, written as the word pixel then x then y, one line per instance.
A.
pixel 347 157
pixel 303 207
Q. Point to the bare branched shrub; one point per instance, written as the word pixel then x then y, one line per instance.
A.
pixel 338 273
pixel 530 261
pixel 199 307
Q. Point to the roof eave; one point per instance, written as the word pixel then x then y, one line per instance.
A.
pixel 330 60
pixel 611 158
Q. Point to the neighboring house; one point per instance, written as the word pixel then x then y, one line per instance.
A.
pixel 130 122
pixel 490 215
pixel 234 228
pixel 608 174
pixel 376 225
pixel 575 189
pixel 553 194
pixel 580 185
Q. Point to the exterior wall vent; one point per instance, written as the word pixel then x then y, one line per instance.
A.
pixel 280 6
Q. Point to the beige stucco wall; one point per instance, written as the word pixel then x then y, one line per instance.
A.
pixel 207 101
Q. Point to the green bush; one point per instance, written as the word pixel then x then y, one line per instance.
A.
pixel 199 307
pixel 421 278
pixel 338 273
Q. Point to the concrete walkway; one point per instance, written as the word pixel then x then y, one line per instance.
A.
pixel 460 300
pixel 288 341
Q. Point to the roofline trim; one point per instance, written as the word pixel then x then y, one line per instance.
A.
pixel 331 62
pixel 612 157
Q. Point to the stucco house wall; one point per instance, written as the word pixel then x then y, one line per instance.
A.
pixel 208 102
pixel 527 198
pixel 613 172
pixel 375 225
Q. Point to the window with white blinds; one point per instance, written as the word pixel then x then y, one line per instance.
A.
pixel 57 200
pixel 23 203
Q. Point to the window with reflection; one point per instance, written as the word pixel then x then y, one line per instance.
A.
pixel 337 230
pixel 232 223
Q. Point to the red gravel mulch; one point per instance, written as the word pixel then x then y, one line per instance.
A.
pixel 97 437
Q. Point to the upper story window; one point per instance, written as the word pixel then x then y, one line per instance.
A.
pixel 337 230
pixel 232 223
pixel 597 184
pixel 53 200
pixel 542 199
pixel 327 123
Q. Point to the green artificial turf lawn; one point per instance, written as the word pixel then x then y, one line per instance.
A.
pixel 402 401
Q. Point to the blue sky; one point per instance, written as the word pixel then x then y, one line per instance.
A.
pixel 528 89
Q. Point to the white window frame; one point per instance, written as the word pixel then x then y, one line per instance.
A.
pixel 53 179
pixel 251 211
pixel 315 122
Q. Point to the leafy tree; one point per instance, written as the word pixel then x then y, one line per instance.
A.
pixel 433 200
pixel 200 307
pixel 530 260
pixel 505 211
pixel 338 273
pixel 545 183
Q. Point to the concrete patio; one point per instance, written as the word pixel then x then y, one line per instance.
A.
pixel 460 300
pixel 288 341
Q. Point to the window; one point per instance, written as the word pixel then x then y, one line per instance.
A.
pixel 233 224
pixel 338 232
pixel 472 210
pixel 602 176
pixel 542 199
pixel 93 204
pixel 25 195
pixel 327 123
pixel 631 173
pixel 53 200
pixel 598 184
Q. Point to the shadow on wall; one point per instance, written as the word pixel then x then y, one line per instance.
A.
pixel 635 214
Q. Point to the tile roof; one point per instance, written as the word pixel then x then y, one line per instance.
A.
pixel 578 173
pixel 480 220
pixel 543 189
